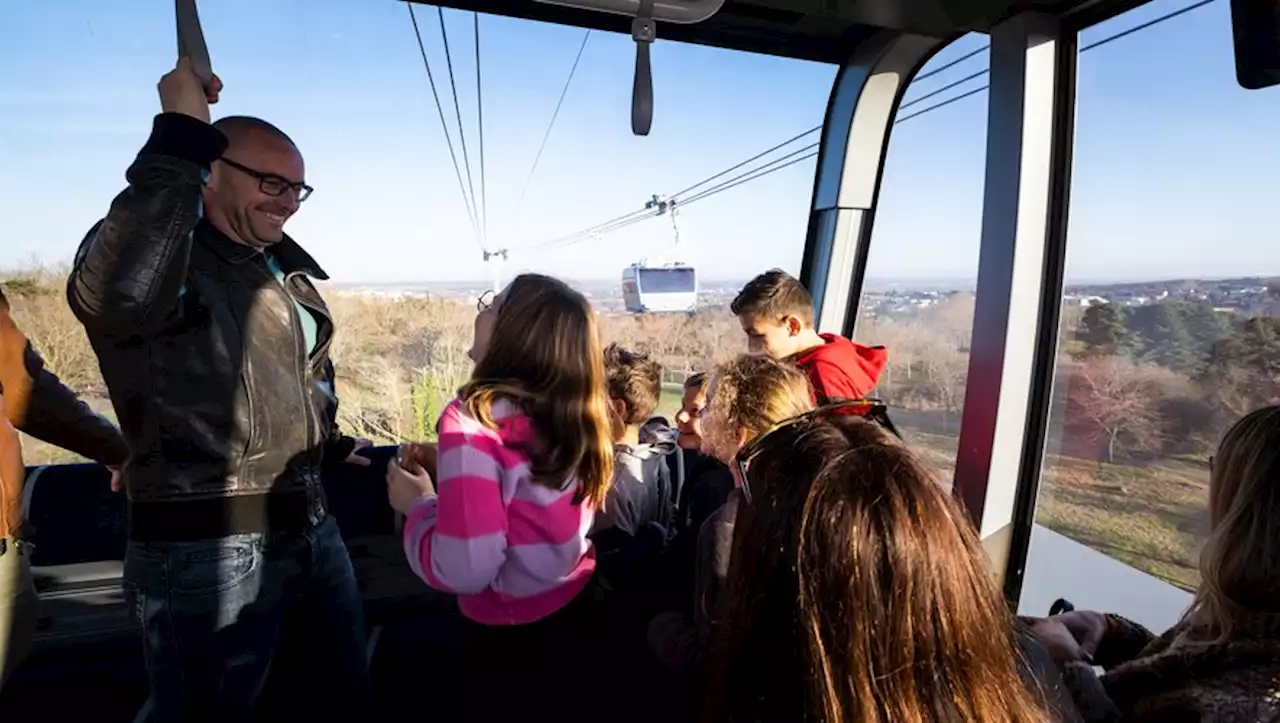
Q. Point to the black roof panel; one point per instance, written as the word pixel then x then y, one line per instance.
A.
pixel 819 30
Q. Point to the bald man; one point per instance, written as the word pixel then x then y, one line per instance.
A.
pixel 214 345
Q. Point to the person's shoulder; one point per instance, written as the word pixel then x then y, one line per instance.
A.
pixel 457 418
pixel 627 464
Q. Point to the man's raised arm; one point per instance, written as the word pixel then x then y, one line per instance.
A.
pixel 129 271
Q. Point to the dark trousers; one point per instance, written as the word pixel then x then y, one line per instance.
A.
pixel 544 670
pixel 212 612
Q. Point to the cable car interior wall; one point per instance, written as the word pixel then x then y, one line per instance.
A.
pixel 86 643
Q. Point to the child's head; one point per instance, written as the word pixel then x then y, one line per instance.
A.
pixel 748 396
pixel 537 344
pixel 634 382
pixel 689 418
pixel 776 312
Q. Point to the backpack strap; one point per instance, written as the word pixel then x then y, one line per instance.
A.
pixel 670 486
pixel 680 476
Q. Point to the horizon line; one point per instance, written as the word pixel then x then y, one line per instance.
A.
pixel 951 283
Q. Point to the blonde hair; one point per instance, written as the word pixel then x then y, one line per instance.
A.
pixel 545 356
pixel 1239 570
pixel 753 393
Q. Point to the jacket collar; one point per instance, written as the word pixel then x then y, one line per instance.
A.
pixel 291 257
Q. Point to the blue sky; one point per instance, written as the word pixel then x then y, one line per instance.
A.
pixel 1173 174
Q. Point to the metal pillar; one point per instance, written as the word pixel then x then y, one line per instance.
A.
pixel 1019 290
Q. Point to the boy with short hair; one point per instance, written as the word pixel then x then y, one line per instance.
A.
pixel 776 312
pixel 692 400
pixel 643 491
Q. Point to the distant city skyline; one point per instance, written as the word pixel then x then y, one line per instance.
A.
pixel 1246 296
pixel 916 284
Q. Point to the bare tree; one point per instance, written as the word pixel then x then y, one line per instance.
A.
pixel 945 370
pixel 1114 401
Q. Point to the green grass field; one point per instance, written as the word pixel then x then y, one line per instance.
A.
pixel 1151 517
pixel 669 404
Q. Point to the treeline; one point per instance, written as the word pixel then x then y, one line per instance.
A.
pixel 1177 335
pixel 1165 378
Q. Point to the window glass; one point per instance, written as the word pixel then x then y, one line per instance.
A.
pixel 917 297
pixel 1169 325
pixel 668 280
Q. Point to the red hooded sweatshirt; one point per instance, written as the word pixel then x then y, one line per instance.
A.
pixel 842 369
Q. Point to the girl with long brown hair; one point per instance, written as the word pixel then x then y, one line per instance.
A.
pixel 858 591
pixel 1221 661
pixel 524 461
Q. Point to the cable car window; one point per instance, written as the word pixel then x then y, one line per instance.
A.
pixel 917 297
pixel 667 280
pixel 1170 319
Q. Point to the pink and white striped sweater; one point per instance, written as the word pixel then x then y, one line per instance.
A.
pixel 512 550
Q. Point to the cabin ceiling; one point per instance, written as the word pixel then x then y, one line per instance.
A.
pixel 819 30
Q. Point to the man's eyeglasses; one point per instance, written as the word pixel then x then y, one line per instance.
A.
pixel 270 183
pixel 871 409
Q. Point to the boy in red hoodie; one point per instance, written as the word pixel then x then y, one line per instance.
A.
pixel 776 312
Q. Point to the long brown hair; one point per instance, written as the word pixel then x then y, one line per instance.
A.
pixel 545 356
pixel 1239 568
pixel 859 593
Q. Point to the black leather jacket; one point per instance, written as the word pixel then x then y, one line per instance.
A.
pixel 229 419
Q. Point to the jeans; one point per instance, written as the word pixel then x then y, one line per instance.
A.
pixel 211 613
pixel 19 605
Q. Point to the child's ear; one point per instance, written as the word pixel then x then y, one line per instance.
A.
pixel 619 409
pixel 794 327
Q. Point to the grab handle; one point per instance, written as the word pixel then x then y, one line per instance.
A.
pixel 191 41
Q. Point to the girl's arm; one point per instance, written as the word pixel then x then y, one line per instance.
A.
pixel 456 540
pixel 1123 641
